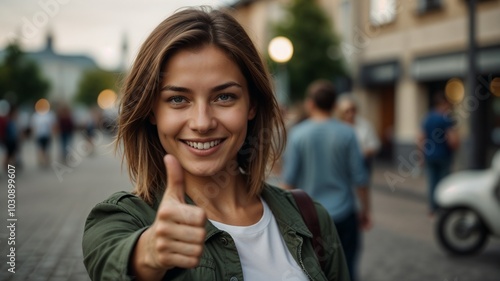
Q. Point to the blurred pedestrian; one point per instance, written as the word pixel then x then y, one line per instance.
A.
pixel 90 126
pixel 4 112
pixel 323 158
pixel 23 122
pixel 199 125
pixel 347 111
pixel 65 128
pixel 43 123
pixel 11 137
pixel 438 140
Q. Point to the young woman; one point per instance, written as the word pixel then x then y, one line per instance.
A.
pixel 198 124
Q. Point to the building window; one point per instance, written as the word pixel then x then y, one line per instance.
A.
pixel 425 6
pixel 382 11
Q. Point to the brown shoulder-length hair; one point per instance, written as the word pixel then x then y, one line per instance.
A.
pixel 187 29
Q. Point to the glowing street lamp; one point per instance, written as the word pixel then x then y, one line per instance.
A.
pixel 455 90
pixel 106 99
pixel 42 106
pixel 281 51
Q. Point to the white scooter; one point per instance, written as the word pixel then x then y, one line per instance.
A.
pixel 470 202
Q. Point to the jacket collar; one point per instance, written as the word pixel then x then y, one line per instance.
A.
pixel 285 210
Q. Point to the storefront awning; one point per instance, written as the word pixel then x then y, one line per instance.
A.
pixel 380 73
pixel 446 66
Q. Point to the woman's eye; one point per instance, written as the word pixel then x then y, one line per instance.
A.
pixel 177 99
pixel 225 97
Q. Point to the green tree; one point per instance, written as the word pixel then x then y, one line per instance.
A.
pixel 94 82
pixel 310 31
pixel 20 78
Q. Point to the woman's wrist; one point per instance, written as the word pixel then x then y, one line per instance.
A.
pixel 143 263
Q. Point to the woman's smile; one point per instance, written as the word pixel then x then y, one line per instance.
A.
pixel 203 148
pixel 203 145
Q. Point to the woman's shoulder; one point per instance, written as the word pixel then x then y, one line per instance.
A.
pixel 123 203
pixel 124 199
pixel 120 197
pixel 274 189
pixel 286 196
pixel 272 192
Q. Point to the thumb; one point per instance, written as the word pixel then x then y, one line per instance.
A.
pixel 175 179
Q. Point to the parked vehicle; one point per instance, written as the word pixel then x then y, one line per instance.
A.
pixel 470 214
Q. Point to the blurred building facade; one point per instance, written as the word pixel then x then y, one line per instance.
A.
pixel 400 53
pixel 63 71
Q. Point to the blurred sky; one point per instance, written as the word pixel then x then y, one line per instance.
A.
pixel 92 27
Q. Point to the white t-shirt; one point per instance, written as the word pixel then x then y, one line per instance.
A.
pixel 262 250
pixel 366 135
pixel 42 124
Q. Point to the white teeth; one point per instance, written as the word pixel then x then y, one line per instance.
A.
pixel 203 145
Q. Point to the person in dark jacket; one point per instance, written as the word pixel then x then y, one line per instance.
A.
pixel 66 127
pixel 438 140
pixel 11 137
pixel 198 123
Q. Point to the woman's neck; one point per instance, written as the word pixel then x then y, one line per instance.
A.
pixel 224 197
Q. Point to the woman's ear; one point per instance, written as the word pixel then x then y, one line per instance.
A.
pixel 252 111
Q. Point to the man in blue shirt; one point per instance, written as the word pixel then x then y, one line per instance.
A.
pixel 438 140
pixel 323 158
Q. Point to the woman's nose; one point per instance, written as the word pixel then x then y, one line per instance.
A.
pixel 202 119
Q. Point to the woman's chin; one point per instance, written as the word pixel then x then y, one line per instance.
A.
pixel 203 171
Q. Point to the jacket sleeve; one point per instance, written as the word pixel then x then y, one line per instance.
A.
pixel 111 232
pixel 336 266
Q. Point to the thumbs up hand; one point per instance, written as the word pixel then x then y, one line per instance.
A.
pixel 177 235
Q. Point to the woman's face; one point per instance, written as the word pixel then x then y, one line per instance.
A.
pixel 203 110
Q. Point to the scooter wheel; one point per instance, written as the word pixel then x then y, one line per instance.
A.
pixel 460 231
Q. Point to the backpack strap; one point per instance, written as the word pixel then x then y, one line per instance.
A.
pixel 310 216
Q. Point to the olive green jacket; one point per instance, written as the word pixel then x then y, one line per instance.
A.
pixel 114 226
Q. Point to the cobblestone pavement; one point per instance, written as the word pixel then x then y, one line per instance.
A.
pixel 51 212
pixel 51 208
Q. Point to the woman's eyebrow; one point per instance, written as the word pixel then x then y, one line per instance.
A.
pixel 225 86
pixel 174 89
pixel 214 89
